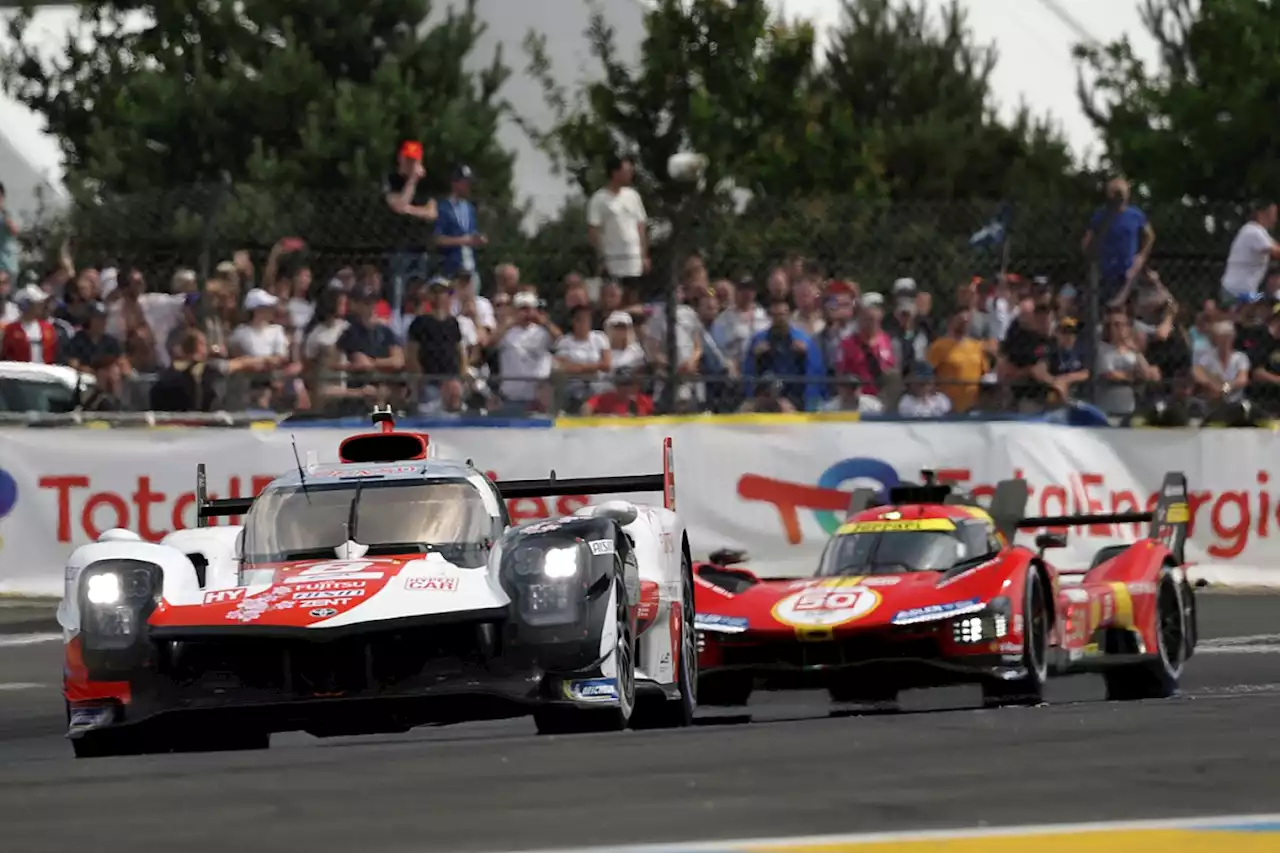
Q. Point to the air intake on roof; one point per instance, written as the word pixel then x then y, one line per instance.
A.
pixel 383 447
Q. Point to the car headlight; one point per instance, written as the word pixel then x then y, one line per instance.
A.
pixel 118 596
pixel 991 624
pixel 561 562
pixel 548 580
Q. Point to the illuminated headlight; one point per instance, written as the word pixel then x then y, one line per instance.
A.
pixel 560 562
pixel 103 588
pixel 981 628
pixel 548 582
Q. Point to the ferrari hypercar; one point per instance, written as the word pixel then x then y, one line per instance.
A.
pixel 383 592
pixel 930 590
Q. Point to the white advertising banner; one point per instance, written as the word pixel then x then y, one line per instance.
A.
pixel 775 490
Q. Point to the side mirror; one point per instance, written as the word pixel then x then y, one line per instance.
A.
pixel 728 557
pixel 1045 541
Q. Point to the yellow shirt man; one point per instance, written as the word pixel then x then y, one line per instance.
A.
pixel 959 364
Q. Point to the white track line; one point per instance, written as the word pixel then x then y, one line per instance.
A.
pixel 27 639
pixel 1256 644
pixel 747 844
pixel 20 685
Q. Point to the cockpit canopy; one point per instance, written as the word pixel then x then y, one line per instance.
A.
pixel 897 546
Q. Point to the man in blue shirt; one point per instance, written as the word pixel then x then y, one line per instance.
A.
pixel 1126 246
pixel 789 354
pixel 457 233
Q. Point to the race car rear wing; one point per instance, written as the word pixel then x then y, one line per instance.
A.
pixel 554 486
pixel 1169 519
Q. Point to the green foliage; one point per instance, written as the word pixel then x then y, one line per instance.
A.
pixel 288 101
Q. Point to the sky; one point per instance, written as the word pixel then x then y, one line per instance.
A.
pixel 1034 48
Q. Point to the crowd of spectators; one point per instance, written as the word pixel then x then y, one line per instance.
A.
pixel 424 332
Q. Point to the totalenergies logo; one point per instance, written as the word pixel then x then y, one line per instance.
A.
pixel 828 500
pixel 8 496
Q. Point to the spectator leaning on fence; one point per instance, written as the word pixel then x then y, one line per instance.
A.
pixel 1252 251
pixel 30 338
pixel 525 342
pixel 786 352
pixel 1125 247
pixel 457 230
pixel 1222 371
pixel 434 345
pixel 1264 386
pixel 959 361
pixel 618 225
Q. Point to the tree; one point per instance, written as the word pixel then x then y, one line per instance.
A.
pixel 1199 124
pixel 296 105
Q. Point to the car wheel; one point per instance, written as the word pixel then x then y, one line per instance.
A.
pixel 675 713
pixel 1159 677
pixel 565 719
pixel 1029 688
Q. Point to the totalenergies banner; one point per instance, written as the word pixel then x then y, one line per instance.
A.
pixel 775 489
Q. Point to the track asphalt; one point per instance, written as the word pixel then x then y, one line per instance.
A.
pixel 793 770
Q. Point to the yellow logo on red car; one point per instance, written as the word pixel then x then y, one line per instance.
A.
pixel 827 604
pixel 897 526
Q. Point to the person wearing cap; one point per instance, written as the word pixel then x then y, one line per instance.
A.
pixel 524 350
pixel 367 346
pixel 264 343
pixel 434 345
pixel 1066 366
pixel 922 399
pixel 31 338
pixel 618 225
pixel 457 231
pixel 625 399
pixel 849 398
pixel 408 195
pixel 867 354
pixel 92 341
pixel 625 352
pixel 768 397
pixel 906 329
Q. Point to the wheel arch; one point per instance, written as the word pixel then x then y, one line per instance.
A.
pixel 1046 583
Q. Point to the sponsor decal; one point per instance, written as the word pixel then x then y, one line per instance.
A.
pixel 602 546
pixel 251 609
pixel 325 586
pixel 937 611
pixel 367 472
pixel 827 604
pixel 887 580
pixel 1009 648
pixel 723 624
pixel 1177 513
pixel 432 584
pixel 592 690
pixel 1142 588
pixel 544 526
pixel 224 596
pixel 1174 491
pixel 324 612
pixel 903 526
pixel 335 593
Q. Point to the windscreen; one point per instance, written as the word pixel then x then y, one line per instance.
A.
pixel 893 547
pixel 291 523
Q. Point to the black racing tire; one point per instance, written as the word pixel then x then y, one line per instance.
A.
pixel 1158 677
pixel 676 713
pixel 725 690
pixel 1029 689
pixel 569 719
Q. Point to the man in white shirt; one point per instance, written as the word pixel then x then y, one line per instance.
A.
pixel 524 350
pixel 618 225
pixel 1251 253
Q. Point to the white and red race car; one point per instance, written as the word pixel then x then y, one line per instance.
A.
pixel 383 592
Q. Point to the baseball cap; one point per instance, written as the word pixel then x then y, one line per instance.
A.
pixel 30 295
pixel 463 173
pixel 412 150
pixel 904 287
pixel 873 300
pixel 525 299
pixel 1069 324
pixel 259 298
pixel 618 318
pixel 440 282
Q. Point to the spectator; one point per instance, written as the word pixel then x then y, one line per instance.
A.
pixel 92 344
pixel 320 346
pixel 368 349
pixel 839 324
pixel 688 342
pixel 1066 365
pixel 1150 299
pixel 30 338
pixel 909 340
pixel 1169 350
pixel 464 288
pixel 786 352
pixel 524 350
pixel 624 399
pixel 867 354
pixel 849 398
pixel 457 231
pixel 618 226
pixel 263 343
pixel 922 398
pixel 80 299
pixel 1264 389
pixel 582 354
pixel 450 401
pixel 778 284
pixel 8 308
pixel 1121 366
pixel 190 384
pixel 190 320
pixel 141 321
pixel 435 348
pixel 1023 366
pixel 721 373
pixel 611 299
pixel 625 353
pixel 1222 371
pixel 10 250
pixel 573 296
pixel 809 316
pixel 507 277
pixel 739 322
pixel 407 195
pixel 1252 251
pixel 416 301
pixel 108 382
pixel 1125 246
pixel 959 361
pixel 768 398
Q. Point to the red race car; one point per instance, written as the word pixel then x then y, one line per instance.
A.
pixel 930 590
